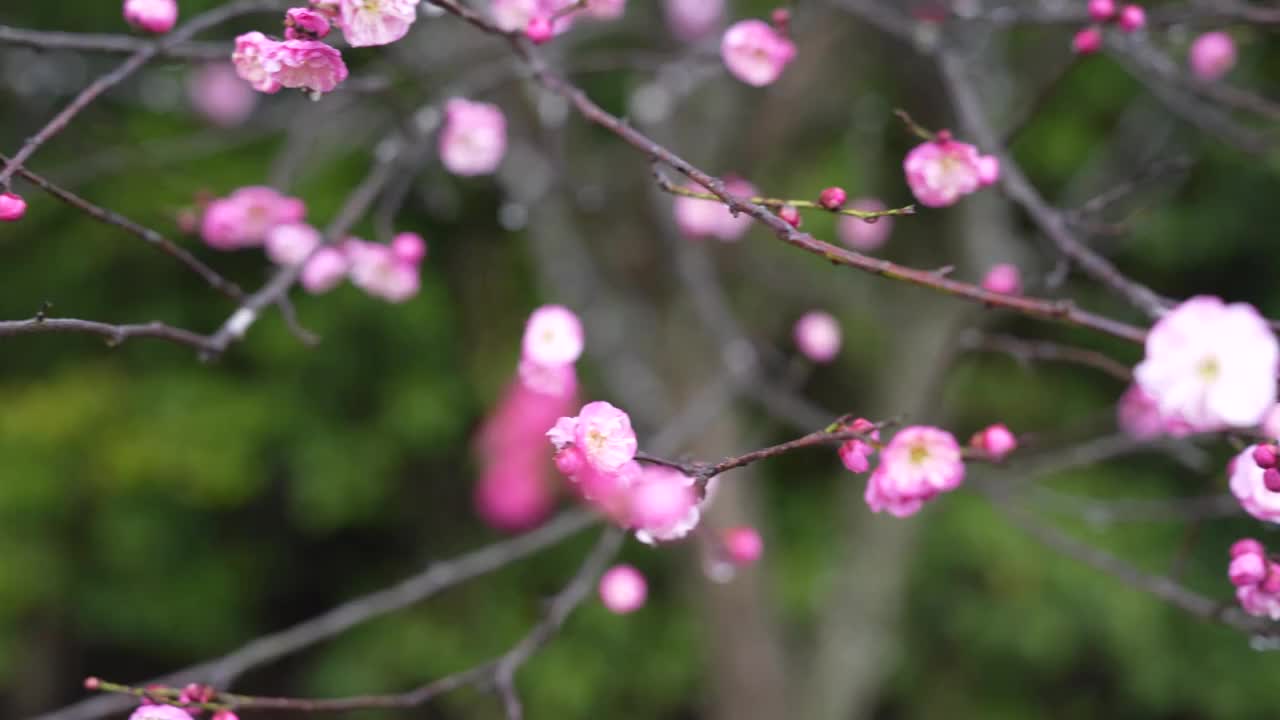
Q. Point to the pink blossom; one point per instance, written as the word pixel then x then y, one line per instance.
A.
pixel 1271 423
pixel 1132 18
pixel 606 9
pixel 324 270
pixel 623 589
pixel 1211 365
pixel 995 441
pixel 1102 10
pixel 516 15
pixel 743 545
pixel 1259 601
pixel 563 432
pixel 1249 487
pixel 553 336
pixel 756 53
pixel 153 16
pixel 376 270
pixel 856 454
pixel 865 235
pixel 605 436
pixel 409 247
pixel 570 461
pixel 308 65
pixel 609 491
pixel 291 243
pixel 255 61
pixel 302 24
pixel 943 170
pixel 663 505
pixel 832 198
pixel 918 463
pixel 159 712
pixel 817 335
pixel 225 715
pixel 474 137
pixel 710 218
pixel 243 218
pixel 217 93
pixel 692 20
pixel 1087 41
pixel 559 380
pixel 12 207
pixel 1247 546
pixel 1247 569
pixel 1256 578
pixel 376 22
pixel 1213 54
pixel 1003 278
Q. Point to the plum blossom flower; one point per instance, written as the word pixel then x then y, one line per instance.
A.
pixel 563 432
pixel 327 267
pixel 474 137
pixel 291 243
pixel 817 335
pixel 1211 365
pixel 255 61
pixel 243 218
pixel 217 93
pixel 1213 54
pixel 1250 488
pixel 756 53
pixel 308 65
pixel 376 270
pixel 663 505
pixel 159 712
pixel 710 218
pixel 12 207
pixel 553 336
pixel 376 22
pixel 918 463
pixel 153 16
pixel 855 453
pixel 605 436
pixel 623 589
pixel 865 235
pixel 692 20
pixel 515 15
pixel 1257 579
pixel 942 170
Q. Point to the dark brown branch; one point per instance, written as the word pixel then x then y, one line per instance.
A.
pixel 103 43
pixel 113 334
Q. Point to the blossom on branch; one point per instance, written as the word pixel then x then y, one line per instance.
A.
pixel 755 52
pixel 376 22
pixel 474 137
pixel 943 170
pixel 269 65
pixel 159 712
pixel 918 463
pixel 243 218
pixel 817 335
pixel 1256 577
pixel 663 505
pixel 516 15
pixel 380 272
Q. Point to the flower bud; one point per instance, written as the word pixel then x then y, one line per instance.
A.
pixel 1102 10
pixel 153 16
pixel 1271 479
pixel 832 198
pixel 1087 41
pixel 1247 546
pixel 1003 278
pixel 1132 18
pixel 790 214
pixel 1247 569
pixel 743 545
pixel 539 30
pixel 623 589
pixel 12 207
pixel 995 441
pixel 1265 455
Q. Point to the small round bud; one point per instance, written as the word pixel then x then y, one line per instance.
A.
pixel 1249 569
pixel 409 248
pixel 92 683
pixel 1003 278
pixel 12 207
pixel 539 30
pixel 817 335
pixel 781 19
pixel 1271 478
pixel 1132 18
pixel 623 589
pixel 1247 546
pixel 1265 455
pixel 743 545
pixel 790 214
pixel 832 198
pixel 996 441
pixel 1213 54
pixel 1087 41
pixel 1102 10
pixel 153 16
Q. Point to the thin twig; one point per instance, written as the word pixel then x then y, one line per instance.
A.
pixel 96 42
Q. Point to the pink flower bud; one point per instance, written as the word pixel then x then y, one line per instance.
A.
pixel 790 214
pixel 623 589
pixel 743 545
pixel 995 441
pixel 196 694
pixel 1271 479
pixel 409 248
pixel 302 24
pixel 781 19
pixel 1213 54
pixel 1247 546
pixel 817 335
pixel 153 16
pixel 539 30
pixel 326 268
pixel 12 207
pixel 1102 10
pixel 832 198
pixel 1132 18
pixel 1087 41
pixel 92 683
pixel 1265 455
pixel 1004 279
pixel 1248 569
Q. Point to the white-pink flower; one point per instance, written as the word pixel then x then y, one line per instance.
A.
pixel 217 93
pixel 662 505
pixel 552 336
pixel 918 463
pixel 943 170
pixel 756 53
pixel 376 270
pixel 159 712
pixel 308 65
pixel 1213 54
pixel 255 61
pixel 1211 365
pixel 1250 488
pixel 376 22
pixel 605 436
pixel 697 218
pixel 692 20
pixel 243 218
pixel 153 16
pixel 863 235
pixel 324 270
pixel 817 335
pixel 291 243
pixel 474 137
pixel 623 589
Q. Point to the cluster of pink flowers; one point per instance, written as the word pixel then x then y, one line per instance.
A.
pixel 865 235
pixel 153 16
pixel 1209 366
pixel 596 450
pixel 917 465
pixel 817 335
pixel 943 170
pixel 1213 54
pixel 194 694
pixel 698 218
pixel 269 65
pixel 1130 18
pixel 1255 481
pixel 243 218
pixel 473 139
pixel 756 52
pixel 1256 577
